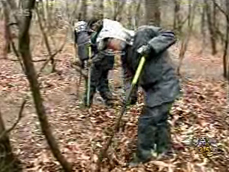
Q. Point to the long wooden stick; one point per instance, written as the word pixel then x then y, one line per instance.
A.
pixel 116 127
pixel 89 78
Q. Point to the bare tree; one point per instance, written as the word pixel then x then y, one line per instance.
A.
pixel 117 8
pixel 24 50
pixel 186 37
pixel 101 8
pixel 177 19
pixel 46 41
pixel 203 28
pixel 153 14
pixel 84 9
pixel 8 161
pixel 6 28
pixel 211 24
pixel 225 53
pixel 137 16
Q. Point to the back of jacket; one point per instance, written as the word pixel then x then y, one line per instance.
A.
pixel 158 63
pixel 82 39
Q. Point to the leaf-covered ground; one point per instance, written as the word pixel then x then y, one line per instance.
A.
pixel 81 133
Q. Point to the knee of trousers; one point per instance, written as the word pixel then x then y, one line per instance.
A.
pixel 153 116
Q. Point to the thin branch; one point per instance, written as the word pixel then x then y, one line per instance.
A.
pixel 79 70
pixel 17 55
pixel 52 56
pixel 45 39
pixel 13 7
pixel 6 132
pixel 220 9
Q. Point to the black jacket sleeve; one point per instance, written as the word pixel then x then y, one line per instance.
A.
pixel 75 37
pixel 162 41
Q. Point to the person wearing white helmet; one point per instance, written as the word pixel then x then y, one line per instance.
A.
pixel 82 40
pixel 161 87
pixel 107 35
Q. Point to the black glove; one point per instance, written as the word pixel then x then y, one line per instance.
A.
pixel 144 50
pixel 84 64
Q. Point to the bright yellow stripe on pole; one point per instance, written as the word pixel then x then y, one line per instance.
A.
pixel 139 69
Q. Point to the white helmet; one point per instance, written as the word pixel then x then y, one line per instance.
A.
pixel 113 29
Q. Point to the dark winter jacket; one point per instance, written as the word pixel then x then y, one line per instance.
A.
pixel 158 74
pixel 157 62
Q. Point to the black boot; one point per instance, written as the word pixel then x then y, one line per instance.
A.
pixel 146 147
pixel 85 102
pixel 133 100
pixel 109 103
pixel 90 99
pixel 108 98
pixel 163 140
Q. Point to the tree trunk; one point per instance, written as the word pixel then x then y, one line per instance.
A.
pixel 6 29
pixel 118 7
pixel 153 15
pixel 203 26
pixel 13 9
pixel 186 38
pixel 225 54
pixel 211 26
pixel 101 9
pixel 84 9
pixel 176 19
pixel 46 40
pixel 24 49
pixel 9 163
pixel 137 16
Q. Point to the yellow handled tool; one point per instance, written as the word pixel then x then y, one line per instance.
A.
pixel 116 127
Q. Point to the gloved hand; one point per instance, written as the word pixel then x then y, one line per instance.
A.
pixel 83 64
pixel 144 50
pixel 86 63
pixel 89 62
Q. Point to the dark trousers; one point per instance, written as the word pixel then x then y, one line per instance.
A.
pixel 127 79
pixel 153 127
pixel 99 77
pixel 153 131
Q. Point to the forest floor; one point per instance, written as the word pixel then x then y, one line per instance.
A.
pixel 81 133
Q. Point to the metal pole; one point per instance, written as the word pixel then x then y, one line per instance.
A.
pixel 116 127
pixel 89 77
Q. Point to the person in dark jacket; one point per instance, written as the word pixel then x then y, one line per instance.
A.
pixel 82 40
pixel 161 86
pixel 107 32
pixel 99 72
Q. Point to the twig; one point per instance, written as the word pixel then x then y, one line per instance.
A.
pixel 52 56
pixel 13 45
pixel 46 40
pixel 6 132
pixel 224 12
pixel 79 70
pixel 115 129
pixel 41 60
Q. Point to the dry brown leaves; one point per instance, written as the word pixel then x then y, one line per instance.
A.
pixel 81 133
